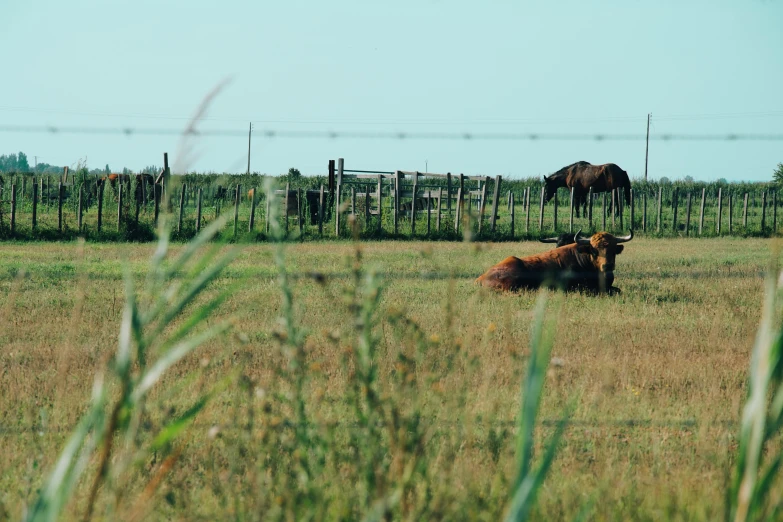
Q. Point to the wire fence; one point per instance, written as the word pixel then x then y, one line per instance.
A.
pixel 387 135
pixel 374 205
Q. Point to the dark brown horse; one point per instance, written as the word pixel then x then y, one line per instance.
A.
pixel 583 176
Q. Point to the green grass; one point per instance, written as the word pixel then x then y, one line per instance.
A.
pixel 403 386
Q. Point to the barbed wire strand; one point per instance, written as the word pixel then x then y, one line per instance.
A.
pixel 384 135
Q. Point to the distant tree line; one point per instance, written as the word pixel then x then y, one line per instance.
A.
pixel 20 163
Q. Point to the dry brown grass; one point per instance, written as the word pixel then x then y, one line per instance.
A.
pixel 673 347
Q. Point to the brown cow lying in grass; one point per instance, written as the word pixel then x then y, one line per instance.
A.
pixel 588 263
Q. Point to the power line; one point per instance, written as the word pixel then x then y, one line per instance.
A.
pixel 384 135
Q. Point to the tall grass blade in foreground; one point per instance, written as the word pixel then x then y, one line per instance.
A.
pixel 529 481
pixel 144 354
pixel 758 460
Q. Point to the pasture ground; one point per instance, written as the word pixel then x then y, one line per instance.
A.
pixel 657 375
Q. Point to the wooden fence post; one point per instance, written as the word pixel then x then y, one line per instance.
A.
pixel 100 206
pixel 448 192
pixel 763 211
pixel 633 225
pixel 495 199
pixel 614 208
pixel 526 200
pixel 603 211
pixel 511 201
pixel 136 200
pixel 701 210
pixel 198 212
pixel 483 203
pixel 181 206
pixel 236 209
pixel 367 207
pixel 429 204
pixel 338 198
pixel 13 208
pixel 688 216
pixel 571 217
pixel 462 189
pixel 79 211
pixel 620 205
pixel 731 211
pixel 554 217
pixel 380 203
pixel 267 209
pixel 166 183
pixel 252 222
pixel 119 205
pixel 299 205
pixel 437 218
pixel 660 207
pixel 60 207
pixel 157 194
pixel 285 205
pixel 745 212
pixel 541 212
pixel 35 205
pixel 590 208
pixel 674 211
pixel 321 211
pixel 353 202
pixel 414 197
pixel 397 182
pixel 644 211
pixel 720 208
pixel 458 213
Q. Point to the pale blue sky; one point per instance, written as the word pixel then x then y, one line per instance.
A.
pixel 420 66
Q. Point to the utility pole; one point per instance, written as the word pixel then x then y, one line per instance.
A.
pixel 647 147
pixel 426 167
pixel 249 132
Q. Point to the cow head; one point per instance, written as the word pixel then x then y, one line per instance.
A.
pixel 602 248
pixel 561 240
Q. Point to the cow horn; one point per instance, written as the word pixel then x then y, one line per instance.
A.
pixel 580 241
pixel 549 240
pixel 623 239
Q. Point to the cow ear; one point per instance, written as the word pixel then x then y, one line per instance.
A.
pixel 619 249
pixel 585 249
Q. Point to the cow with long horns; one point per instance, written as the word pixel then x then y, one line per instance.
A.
pixel 587 263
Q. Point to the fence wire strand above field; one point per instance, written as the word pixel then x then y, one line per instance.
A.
pixel 387 135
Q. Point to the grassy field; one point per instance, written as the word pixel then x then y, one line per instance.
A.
pixel 657 375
